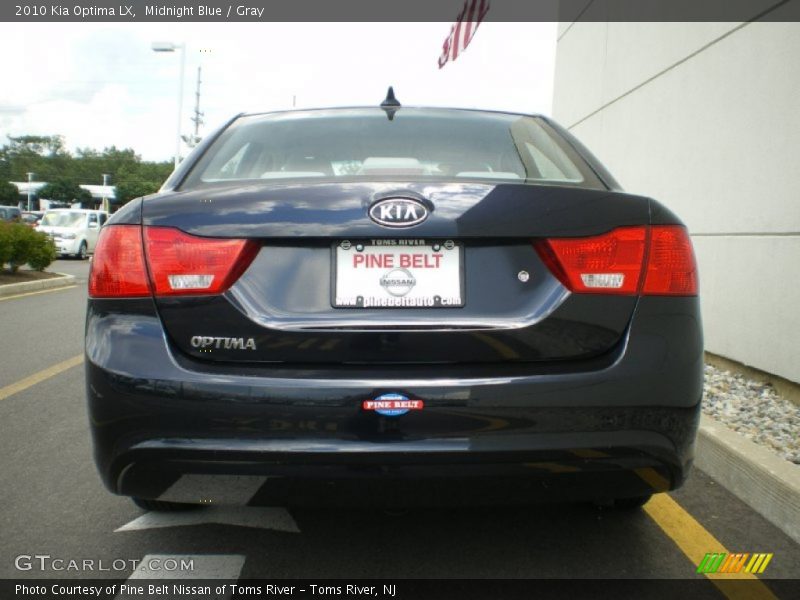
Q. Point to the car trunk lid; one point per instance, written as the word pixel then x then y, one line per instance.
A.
pixel 282 308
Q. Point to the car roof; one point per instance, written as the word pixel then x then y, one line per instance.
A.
pixel 399 108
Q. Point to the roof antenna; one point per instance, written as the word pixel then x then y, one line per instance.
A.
pixel 390 104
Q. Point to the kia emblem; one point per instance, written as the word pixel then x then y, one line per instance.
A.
pixel 398 212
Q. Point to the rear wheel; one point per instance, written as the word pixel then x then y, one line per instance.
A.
pixel 161 505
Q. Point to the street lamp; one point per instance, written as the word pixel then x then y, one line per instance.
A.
pixel 172 47
pixel 30 179
pixel 105 192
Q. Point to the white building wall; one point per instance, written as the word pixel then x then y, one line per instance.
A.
pixel 705 117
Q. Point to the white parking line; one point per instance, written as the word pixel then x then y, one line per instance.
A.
pixel 277 519
pixel 187 567
pixel 214 489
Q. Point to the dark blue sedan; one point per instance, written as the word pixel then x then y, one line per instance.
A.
pixel 392 306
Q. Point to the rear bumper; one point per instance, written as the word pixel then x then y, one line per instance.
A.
pixel 575 466
pixel 166 426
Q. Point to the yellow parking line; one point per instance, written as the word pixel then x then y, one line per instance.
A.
pixel 653 478
pixel 42 375
pixel 58 289
pixel 695 541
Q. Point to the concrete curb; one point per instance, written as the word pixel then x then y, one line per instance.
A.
pixel 766 482
pixel 11 289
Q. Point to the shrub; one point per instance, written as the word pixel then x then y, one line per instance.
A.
pixel 19 244
pixel 42 253
pixel 5 243
pixel 23 241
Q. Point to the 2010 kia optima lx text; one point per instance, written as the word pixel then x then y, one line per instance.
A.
pixel 393 305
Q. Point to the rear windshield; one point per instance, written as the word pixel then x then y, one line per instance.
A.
pixel 415 144
pixel 63 219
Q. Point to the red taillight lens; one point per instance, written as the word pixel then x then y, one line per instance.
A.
pixel 613 263
pixel 183 264
pixel 118 269
pixel 671 266
pixel 180 264
pixel 603 264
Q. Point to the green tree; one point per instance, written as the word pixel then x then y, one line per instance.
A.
pixel 64 190
pixel 9 194
pixel 128 190
pixel 44 155
pixel 43 145
pixel 48 158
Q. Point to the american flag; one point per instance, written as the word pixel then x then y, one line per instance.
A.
pixel 463 30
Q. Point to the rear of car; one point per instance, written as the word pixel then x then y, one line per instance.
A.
pixel 407 304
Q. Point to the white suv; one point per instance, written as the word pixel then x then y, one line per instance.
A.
pixel 74 230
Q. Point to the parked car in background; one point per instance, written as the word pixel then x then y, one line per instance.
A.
pixel 74 230
pixel 32 217
pixel 10 214
pixel 410 300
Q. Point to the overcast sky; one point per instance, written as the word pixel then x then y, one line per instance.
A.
pixel 101 84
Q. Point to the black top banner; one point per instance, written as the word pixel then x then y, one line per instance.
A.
pixel 394 10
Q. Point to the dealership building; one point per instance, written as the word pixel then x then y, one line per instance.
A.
pixel 101 194
pixel 705 117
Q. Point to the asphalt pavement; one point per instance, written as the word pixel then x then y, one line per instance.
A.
pixel 54 504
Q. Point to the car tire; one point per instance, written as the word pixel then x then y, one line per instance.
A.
pixel 162 505
pixel 83 253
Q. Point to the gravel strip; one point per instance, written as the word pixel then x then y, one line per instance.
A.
pixel 755 410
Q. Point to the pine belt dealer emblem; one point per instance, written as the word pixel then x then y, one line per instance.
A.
pixel 392 405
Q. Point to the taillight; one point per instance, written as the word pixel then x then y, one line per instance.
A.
pixel 183 264
pixel 614 262
pixel 118 269
pixel 608 263
pixel 671 266
pixel 179 263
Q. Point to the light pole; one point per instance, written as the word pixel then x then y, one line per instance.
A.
pixel 105 192
pixel 172 47
pixel 30 179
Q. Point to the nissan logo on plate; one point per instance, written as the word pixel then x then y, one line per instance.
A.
pixel 398 282
pixel 398 212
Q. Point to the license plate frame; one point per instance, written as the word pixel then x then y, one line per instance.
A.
pixel 394 243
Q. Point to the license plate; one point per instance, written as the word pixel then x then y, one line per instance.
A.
pixel 398 274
